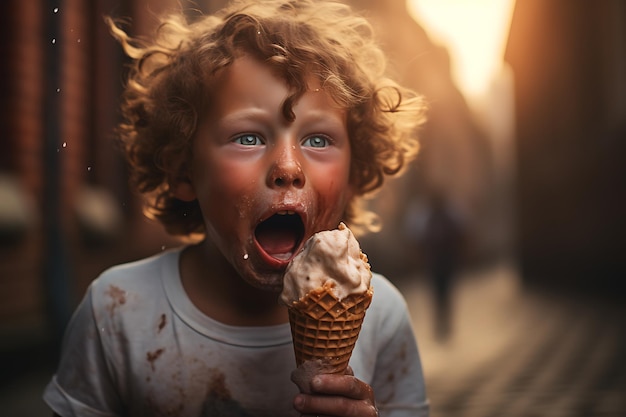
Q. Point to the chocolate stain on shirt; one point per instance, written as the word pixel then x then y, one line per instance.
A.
pixel 117 296
pixel 402 355
pixel 217 386
pixel 162 323
pixel 153 356
pixel 390 377
pixel 403 359
pixel 219 401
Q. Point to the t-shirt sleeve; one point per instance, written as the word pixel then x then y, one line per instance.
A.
pixel 82 385
pixel 399 379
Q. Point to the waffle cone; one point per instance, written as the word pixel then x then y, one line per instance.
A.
pixel 325 328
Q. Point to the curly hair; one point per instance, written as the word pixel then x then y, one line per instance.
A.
pixel 169 85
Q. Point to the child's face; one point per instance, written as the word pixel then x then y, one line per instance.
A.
pixel 265 184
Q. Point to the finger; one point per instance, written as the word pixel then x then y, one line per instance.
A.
pixel 342 385
pixel 321 405
pixel 303 374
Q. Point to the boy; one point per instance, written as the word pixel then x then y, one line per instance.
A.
pixel 250 130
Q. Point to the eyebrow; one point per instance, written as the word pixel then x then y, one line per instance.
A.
pixel 325 116
pixel 245 114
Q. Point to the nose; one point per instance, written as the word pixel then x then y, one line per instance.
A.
pixel 286 170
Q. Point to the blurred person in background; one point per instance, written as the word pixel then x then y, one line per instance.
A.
pixel 442 245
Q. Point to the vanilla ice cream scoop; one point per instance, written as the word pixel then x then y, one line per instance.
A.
pixel 332 259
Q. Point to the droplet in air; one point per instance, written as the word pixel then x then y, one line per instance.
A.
pixel 245 256
pixel 64 144
pixel 55 10
pixel 88 168
pixel 163 247
pixel 54 41
pixel 78 40
pixel 58 90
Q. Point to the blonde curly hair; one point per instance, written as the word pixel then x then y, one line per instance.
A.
pixel 169 85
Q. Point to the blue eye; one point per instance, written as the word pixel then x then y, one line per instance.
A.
pixel 248 140
pixel 316 142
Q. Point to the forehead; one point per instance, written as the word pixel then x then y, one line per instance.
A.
pixel 245 65
pixel 249 82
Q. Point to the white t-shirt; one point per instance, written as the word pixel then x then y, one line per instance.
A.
pixel 137 346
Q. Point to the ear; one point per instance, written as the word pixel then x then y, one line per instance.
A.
pixel 182 188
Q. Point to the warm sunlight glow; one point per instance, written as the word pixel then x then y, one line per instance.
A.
pixel 475 33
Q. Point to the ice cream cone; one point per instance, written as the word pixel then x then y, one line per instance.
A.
pixel 325 328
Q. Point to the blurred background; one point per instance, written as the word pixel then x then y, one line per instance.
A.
pixel 506 235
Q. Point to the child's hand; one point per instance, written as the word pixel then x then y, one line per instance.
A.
pixel 336 395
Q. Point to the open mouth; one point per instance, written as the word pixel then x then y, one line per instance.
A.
pixel 280 235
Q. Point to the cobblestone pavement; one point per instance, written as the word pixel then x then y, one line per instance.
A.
pixel 511 352
pixel 519 353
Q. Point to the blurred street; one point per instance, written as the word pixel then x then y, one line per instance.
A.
pixel 511 352
pixel 514 352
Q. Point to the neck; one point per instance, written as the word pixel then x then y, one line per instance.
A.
pixel 216 289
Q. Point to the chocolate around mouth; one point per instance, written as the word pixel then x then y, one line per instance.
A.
pixel 280 235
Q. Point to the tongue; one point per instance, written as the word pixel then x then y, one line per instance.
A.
pixel 277 242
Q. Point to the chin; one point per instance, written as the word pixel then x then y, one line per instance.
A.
pixel 275 288
pixel 264 281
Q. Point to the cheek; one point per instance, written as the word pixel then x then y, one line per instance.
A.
pixel 226 191
pixel 333 191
